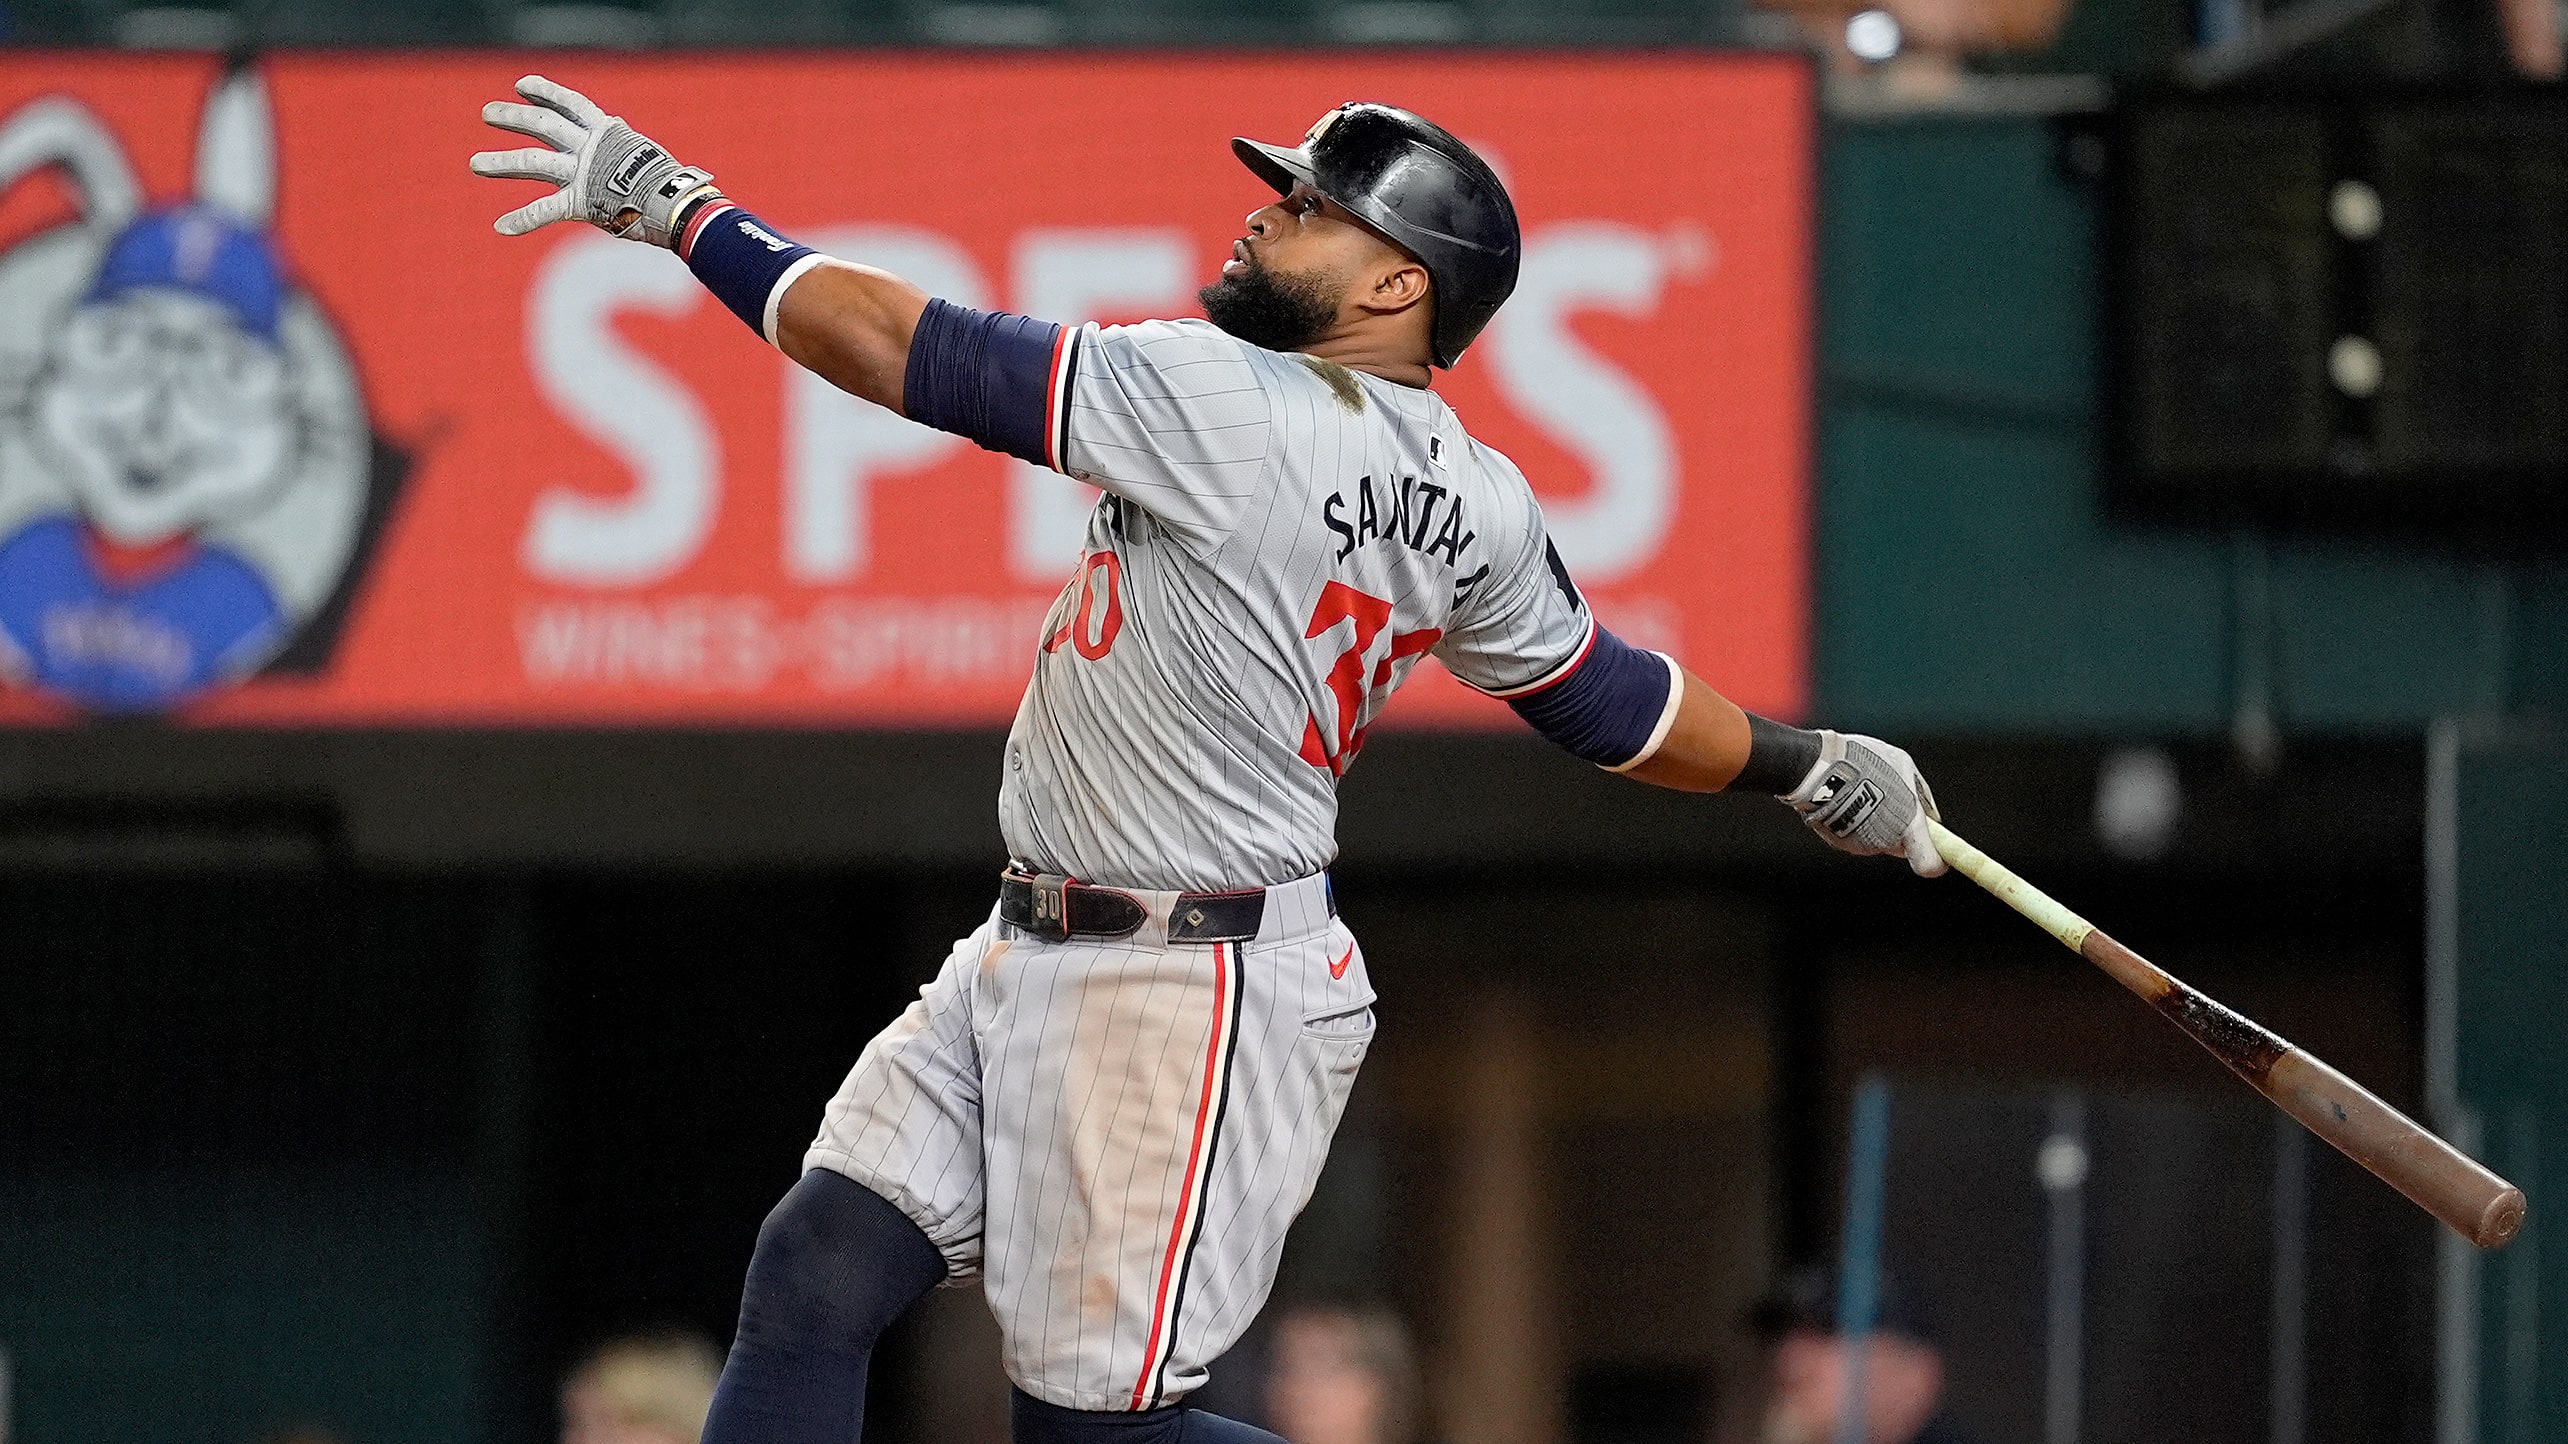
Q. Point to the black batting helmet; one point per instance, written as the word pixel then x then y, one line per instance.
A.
pixel 1403 175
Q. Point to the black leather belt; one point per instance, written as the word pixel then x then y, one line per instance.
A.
pixel 1058 909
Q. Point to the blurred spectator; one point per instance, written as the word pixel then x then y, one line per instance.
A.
pixel 650 1390
pixel 2531 28
pixel 1342 1376
pixel 1903 1371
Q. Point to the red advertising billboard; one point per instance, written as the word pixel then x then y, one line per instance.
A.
pixel 289 436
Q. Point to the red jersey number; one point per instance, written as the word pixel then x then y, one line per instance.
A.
pixel 1091 627
pixel 1336 747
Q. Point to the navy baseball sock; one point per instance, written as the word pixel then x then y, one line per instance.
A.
pixel 1036 1422
pixel 835 1265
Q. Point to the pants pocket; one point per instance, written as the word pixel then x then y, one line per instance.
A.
pixel 1335 1045
pixel 1341 1024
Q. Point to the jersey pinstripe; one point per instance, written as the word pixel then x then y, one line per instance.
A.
pixel 1279 543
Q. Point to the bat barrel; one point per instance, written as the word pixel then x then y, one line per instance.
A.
pixel 2436 1176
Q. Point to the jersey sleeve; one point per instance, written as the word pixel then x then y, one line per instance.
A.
pixel 1169 415
pixel 1519 624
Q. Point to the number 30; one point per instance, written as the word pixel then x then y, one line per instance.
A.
pixel 1094 642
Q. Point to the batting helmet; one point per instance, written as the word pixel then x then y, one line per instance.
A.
pixel 1406 177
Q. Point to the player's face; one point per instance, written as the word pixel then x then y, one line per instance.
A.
pixel 1306 233
pixel 1279 289
pixel 1304 268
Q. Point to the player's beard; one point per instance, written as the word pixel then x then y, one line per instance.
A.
pixel 1267 308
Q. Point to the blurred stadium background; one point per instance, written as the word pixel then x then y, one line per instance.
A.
pixel 2156 416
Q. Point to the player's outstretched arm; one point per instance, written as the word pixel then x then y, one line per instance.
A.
pixel 851 324
pixel 1528 639
pixel 1639 713
pixel 1860 793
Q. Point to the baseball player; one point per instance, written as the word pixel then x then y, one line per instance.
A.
pixel 1117 1093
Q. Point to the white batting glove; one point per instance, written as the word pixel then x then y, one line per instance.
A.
pixel 1864 796
pixel 611 175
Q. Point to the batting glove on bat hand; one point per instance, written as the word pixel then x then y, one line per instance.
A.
pixel 1864 796
pixel 611 175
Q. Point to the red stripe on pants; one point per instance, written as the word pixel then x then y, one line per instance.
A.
pixel 1194 1159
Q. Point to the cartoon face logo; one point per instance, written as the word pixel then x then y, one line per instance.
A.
pixel 188 486
pixel 165 407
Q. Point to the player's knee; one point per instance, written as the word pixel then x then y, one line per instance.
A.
pixel 1036 1422
pixel 835 1264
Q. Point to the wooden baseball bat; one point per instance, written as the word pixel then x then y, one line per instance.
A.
pixel 2436 1176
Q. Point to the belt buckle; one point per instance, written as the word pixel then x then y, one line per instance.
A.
pixel 1051 894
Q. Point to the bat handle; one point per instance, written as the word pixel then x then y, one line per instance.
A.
pixel 2002 883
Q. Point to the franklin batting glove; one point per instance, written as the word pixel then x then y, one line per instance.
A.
pixel 611 175
pixel 1865 797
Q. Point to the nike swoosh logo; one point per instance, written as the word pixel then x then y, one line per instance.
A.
pixel 1338 968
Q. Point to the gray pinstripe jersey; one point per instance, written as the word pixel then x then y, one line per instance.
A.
pixel 1279 543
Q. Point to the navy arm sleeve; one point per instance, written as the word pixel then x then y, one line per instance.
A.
pixel 991 377
pixel 1612 707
